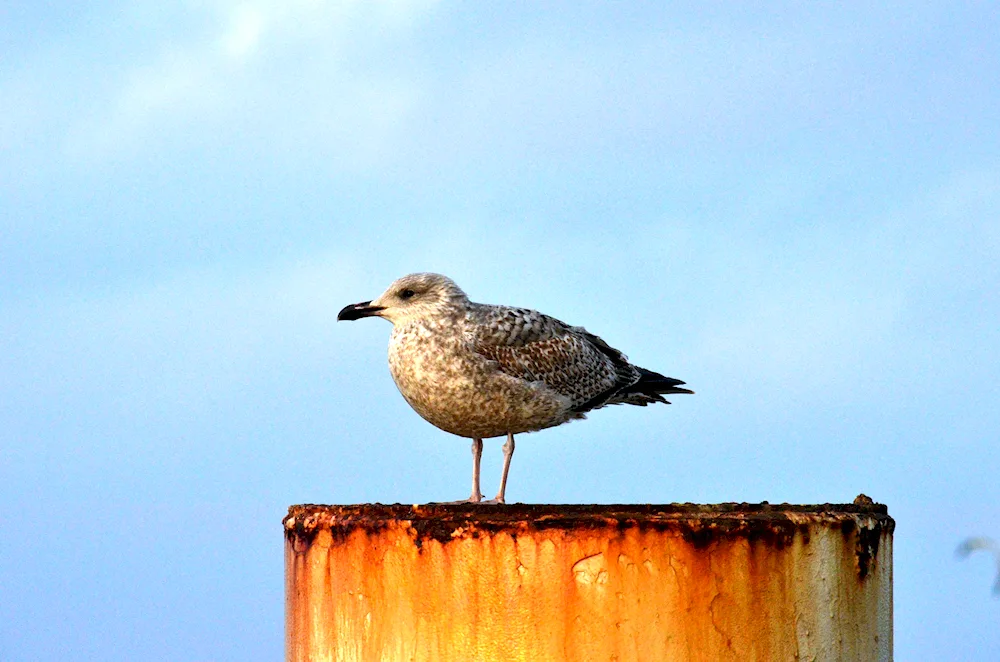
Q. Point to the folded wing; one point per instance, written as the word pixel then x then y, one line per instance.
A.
pixel 569 360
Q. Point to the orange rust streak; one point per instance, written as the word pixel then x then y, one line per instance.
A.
pixel 468 587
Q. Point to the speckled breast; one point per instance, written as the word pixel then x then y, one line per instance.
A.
pixel 464 393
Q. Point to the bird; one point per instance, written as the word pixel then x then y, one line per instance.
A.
pixel 971 545
pixel 482 371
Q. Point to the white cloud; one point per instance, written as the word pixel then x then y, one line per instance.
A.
pixel 242 36
pixel 398 83
pixel 259 64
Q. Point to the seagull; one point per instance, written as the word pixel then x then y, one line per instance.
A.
pixel 481 371
pixel 976 544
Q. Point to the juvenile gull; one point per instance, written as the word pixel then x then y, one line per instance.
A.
pixel 482 371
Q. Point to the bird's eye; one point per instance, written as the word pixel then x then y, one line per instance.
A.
pixel 406 294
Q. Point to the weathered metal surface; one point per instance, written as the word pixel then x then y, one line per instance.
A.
pixel 605 582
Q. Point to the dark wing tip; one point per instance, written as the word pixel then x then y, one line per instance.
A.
pixel 651 387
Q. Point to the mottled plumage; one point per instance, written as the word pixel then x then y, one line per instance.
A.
pixel 482 371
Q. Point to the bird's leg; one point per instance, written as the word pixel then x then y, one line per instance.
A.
pixel 477 456
pixel 508 452
pixel 477 496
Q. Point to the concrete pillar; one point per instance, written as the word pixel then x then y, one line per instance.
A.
pixel 599 582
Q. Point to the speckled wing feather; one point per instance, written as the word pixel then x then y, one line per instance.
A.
pixel 572 362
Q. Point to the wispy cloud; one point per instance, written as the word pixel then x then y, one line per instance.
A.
pixel 257 64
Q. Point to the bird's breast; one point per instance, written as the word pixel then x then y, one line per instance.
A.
pixel 456 389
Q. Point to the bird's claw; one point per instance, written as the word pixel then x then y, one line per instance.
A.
pixel 497 501
pixel 475 498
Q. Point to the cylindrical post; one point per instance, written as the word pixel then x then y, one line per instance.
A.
pixel 623 582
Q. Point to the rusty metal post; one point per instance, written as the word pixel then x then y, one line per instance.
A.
pixel 625 583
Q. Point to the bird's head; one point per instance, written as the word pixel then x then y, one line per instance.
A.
pixel 410 298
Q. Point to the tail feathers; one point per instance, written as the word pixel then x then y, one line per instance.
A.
pixel 651 387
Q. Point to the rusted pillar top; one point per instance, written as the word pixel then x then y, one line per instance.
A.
pixel 595 582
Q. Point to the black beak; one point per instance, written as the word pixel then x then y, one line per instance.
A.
pixel 358 310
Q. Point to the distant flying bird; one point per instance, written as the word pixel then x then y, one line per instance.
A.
pixel 482 371
pixel 982 544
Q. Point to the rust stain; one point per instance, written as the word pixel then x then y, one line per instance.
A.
pixel 773 525
pixel 623 582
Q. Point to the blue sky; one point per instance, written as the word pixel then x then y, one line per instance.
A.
pixel 792 208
